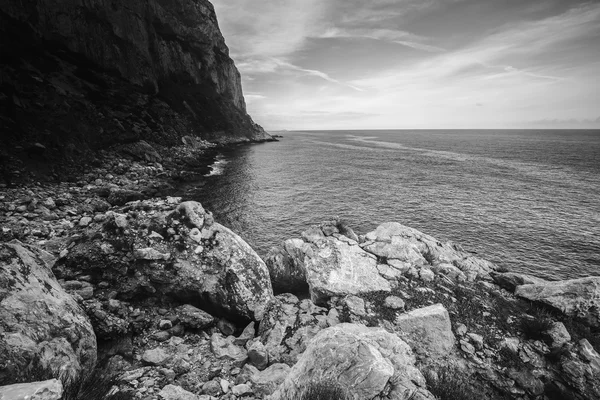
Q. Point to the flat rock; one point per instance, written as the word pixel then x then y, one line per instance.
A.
pixel 44 390
pixel 428 330
pixel 575 297
pixel 394 241
pixel 173 392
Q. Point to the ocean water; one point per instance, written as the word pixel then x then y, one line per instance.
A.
pixel 528 200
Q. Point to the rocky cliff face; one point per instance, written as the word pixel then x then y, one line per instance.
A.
pixel 165 58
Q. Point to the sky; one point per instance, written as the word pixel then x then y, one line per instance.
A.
pixel 416 64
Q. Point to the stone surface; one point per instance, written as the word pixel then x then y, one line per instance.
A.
pixel 428 330
pixel 575 297
pixel 223 347
pixel 45 390
pixel 394 241
pixel 363 360
pixel 157 356
pixel 192 317
pixel 557 335
pixel 173 392
pixel 288 326
pixel 39 321
pixel 337 268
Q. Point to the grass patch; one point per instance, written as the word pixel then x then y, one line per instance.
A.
pixel 448 384
pixel 535 326
pixel 324 390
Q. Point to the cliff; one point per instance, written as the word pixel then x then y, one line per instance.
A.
pixel 88 74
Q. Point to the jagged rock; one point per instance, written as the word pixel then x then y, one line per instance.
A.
pixel 241 389
pixel 575 297
pixel 510 280
pixel 557 335
pixel 223 347
pixel 119 197
pixel 363 360
pixel 173 392
pixel 39 322
pixel 258 355
pixel 394 241
pixel 157 356
pixel 428 330
pixel 265 382
pixel 45 390
pixel 193 317
pixel 288 325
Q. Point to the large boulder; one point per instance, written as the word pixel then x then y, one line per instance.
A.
pixel 331 266
pixel 157 248
pixel 368 362
pixel 40 324
pixel 575 297
pixel 402 244
pixel 428 330
pixel 339 268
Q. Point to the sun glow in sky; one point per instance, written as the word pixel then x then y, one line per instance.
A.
pixel 385 64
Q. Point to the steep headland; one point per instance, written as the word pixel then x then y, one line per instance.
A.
pixel 78 76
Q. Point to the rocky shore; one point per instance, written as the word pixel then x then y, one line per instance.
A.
pixel 108 274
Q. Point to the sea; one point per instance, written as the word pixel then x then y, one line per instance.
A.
pixel 527 200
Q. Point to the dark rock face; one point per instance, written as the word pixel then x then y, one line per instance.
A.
pixel 166 56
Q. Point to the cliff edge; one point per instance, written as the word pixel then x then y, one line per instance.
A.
pixel 79 75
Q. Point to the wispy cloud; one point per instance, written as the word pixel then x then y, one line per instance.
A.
pixel 336 60
pixel 394 36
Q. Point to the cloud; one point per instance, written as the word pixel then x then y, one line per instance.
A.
pixel 338 57
pixel 393 36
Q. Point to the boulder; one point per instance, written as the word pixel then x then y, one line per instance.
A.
pixel 575 297
pixel 39 322
pixel 45 390
pixel 365 361
pixel 394 241
pixel 337 268
pixel 428 330
pixel 198 261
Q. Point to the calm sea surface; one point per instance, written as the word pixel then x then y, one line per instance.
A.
pixel 528 200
